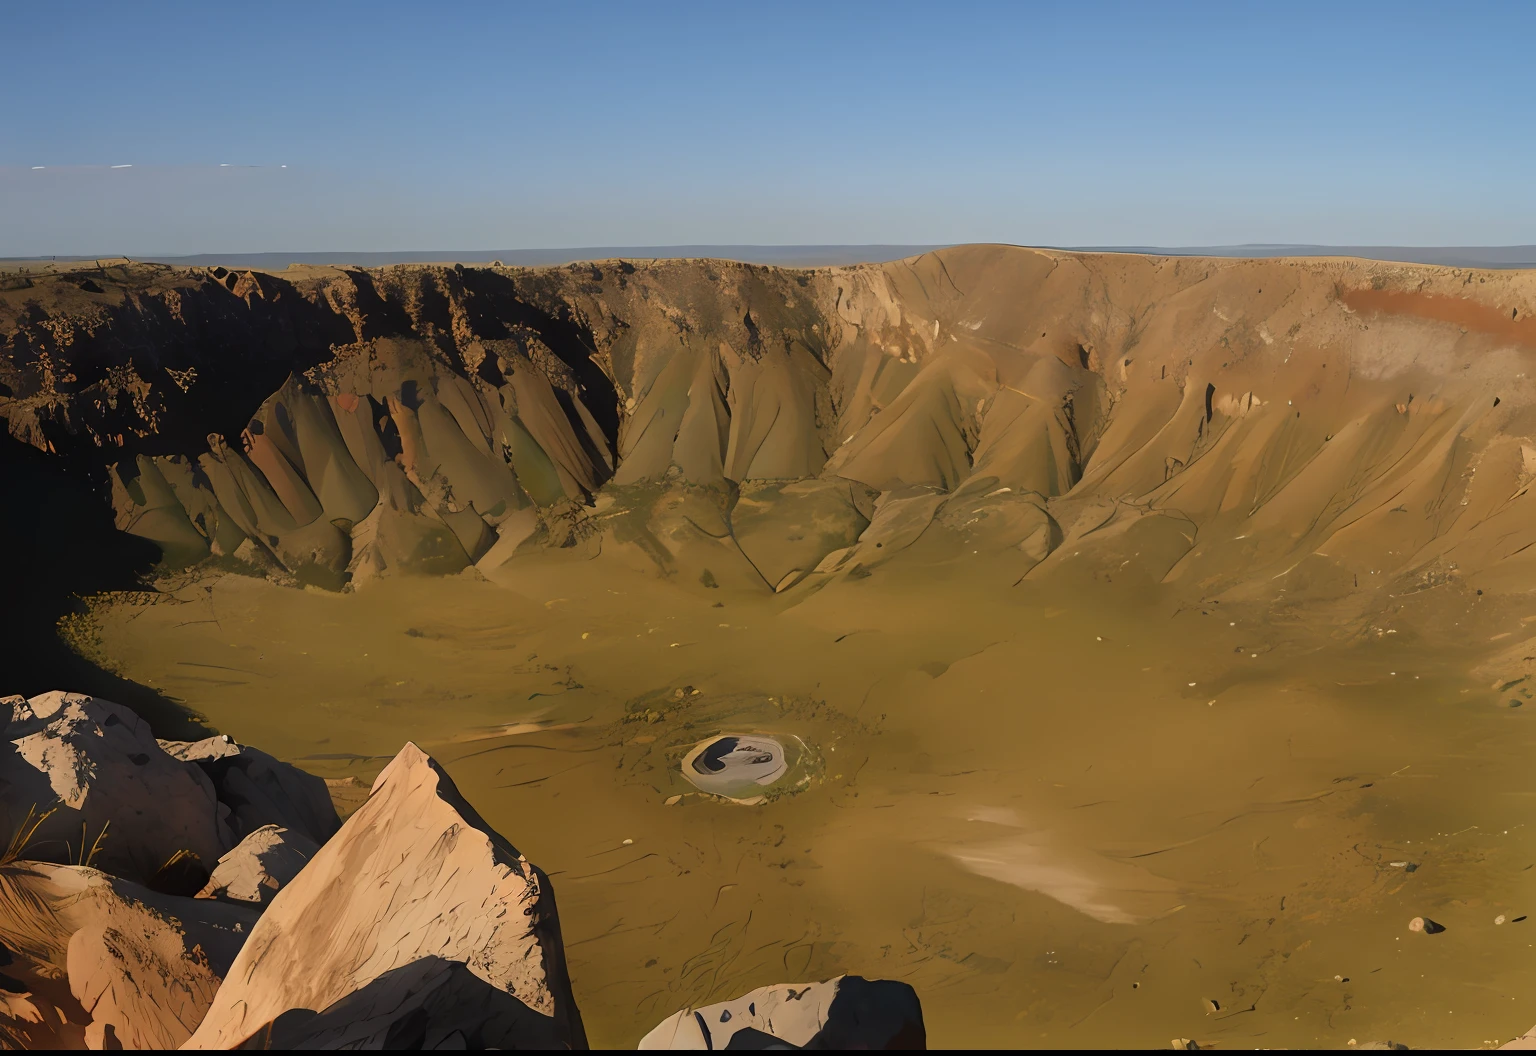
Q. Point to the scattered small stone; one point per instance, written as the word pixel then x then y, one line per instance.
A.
pixel 1211 1005
pixel 1427 926
pixel 673 801
pixel 1499 919
pixel 1515 702
pixel 628 842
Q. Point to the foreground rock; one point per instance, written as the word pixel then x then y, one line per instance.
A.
pixel 262 864
pixel 843 1013
pixel 258 790
pixel 1524 1041
pixel 416 925
pixel 110 786
pixel 430 1003
pixel 102 962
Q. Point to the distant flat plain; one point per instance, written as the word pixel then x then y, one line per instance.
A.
pixel 813 256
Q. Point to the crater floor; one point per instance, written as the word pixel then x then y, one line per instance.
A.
pixel 1067 818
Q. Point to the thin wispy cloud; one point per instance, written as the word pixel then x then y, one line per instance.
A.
pixel 129 165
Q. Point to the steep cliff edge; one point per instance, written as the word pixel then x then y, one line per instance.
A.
pixel 775 427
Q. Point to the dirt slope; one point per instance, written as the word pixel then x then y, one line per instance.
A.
pixel 1245 419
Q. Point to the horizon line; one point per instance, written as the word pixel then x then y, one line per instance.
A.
pixel 803 254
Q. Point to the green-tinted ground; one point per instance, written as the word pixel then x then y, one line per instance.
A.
pixel 1069 815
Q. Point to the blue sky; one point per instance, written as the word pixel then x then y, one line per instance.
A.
pixel 530 125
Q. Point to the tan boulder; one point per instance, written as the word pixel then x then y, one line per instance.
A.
pixel 1524 1041
pixel 259 790
pixel 255 870
pixel 848 1012
pixel 109 963
pixel 98 767
pixel 30 1020
pixel 415 873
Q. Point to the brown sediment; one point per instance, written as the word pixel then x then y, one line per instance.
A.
pixel 1506 323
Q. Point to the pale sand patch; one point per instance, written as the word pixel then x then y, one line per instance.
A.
pixel 1106 890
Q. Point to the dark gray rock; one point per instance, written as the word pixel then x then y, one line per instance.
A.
pixel 260 790
pixel 848 1012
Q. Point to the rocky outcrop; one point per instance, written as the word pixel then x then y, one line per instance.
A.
pixel 440 401
pixel 117 800
pixel 84 781
pixel 260 866
pixel 413 925
pixel 103 962
pixel 847 1012
pixel 327 425
pixel 414 873
pixel 259 790
pixel 429 1003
